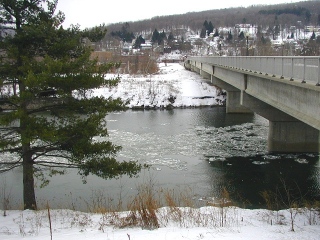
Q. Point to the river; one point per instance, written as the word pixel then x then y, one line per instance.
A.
pixel 197 152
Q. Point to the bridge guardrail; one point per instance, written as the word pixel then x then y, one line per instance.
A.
pixel 297 68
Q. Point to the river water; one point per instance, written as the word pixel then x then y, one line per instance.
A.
pixel 197 152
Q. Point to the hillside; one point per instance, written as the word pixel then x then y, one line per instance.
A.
pixel 229 17
pixel 291 29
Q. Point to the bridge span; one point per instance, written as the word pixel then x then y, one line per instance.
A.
pixel 284 90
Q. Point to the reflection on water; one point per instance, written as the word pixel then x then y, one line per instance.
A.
pixel 203 150
pixel 246 178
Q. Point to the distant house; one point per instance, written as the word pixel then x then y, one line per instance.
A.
pixel 126 47
pixel 146 46
pixel 293 28
pixel 167 49
pixel 242 25
pixel 193 37
pixel 312 28
pixel 276 43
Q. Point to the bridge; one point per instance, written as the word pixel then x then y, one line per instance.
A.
pixel 284 90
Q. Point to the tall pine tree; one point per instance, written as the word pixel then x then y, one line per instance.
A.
pixel 155 36
pixel 210 28
pixel 40 58
pixel 140 40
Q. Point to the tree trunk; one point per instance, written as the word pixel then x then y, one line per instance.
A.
pixel 29 196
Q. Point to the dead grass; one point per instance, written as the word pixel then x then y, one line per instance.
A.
pixel 151 209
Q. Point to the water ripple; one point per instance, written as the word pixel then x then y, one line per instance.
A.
pixel 207 142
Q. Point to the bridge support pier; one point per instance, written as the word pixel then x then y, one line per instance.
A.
pixel 205 74
pixel 233 104
pixel 234 95
pixel 292 137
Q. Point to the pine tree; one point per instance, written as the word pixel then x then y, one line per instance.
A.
pixel 241 35
pixel 125 35
pixel 155 36
pixel 308 16
pixel 206 24
pixel 292 35
pixel 162 37
pixel 40 59
pixel 170 38
pixel 229 37
pixel 216 33
pixel 140 40
pixel 207 28
pixel 210 28
pixel 203 33
pixel 313 36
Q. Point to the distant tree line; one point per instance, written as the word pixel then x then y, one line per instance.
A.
pixel 174 40
pixel 207 28
pixel 298 11
pixel 124 34
pixel 158 37
pixel 288 14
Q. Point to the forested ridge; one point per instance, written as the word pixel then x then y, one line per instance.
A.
pixel 304 12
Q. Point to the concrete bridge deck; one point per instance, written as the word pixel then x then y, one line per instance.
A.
pixel 285 91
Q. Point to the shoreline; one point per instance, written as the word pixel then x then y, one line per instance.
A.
pixel 172 107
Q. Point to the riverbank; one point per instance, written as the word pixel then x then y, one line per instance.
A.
pixel 172 223
pixel 172 87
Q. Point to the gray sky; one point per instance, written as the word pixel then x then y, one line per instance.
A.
pixel 89 13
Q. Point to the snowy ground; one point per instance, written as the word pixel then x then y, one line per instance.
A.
pixel 172 86
pixel 186 89
pixel 204 223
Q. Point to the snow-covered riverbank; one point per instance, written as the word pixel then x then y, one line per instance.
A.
pixel 173 86
pixel 204 223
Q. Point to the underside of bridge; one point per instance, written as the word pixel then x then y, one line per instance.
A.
pixel 286 133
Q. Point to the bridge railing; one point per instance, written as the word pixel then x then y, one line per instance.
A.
pixel 297 68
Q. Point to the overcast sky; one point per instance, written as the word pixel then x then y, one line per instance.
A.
pixel 89 13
